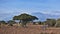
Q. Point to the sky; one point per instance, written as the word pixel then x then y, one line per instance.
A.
pixel 43 9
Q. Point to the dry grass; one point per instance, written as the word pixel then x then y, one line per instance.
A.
pixel 31 29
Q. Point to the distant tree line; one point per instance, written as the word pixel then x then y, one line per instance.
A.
pixel 52 22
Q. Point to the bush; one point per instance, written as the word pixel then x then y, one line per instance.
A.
pixel 39 23
pixel 51 22
pixel 58 23
pixel 10 24
pixel 3 22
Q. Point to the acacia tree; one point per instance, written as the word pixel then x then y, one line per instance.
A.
pixel 24 18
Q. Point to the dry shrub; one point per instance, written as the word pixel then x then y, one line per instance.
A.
pixel 46 33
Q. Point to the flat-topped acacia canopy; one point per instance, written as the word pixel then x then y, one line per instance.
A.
pixel 24 17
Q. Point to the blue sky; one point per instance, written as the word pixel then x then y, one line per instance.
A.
pixel 10 8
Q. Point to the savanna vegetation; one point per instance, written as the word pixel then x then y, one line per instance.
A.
pixel 25 19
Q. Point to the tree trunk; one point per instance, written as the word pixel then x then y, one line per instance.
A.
pixel 24 22
pixel 56 24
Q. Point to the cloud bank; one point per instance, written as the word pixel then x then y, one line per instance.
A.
pixel 39 8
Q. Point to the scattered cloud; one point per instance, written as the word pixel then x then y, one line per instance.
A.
pixel 10 8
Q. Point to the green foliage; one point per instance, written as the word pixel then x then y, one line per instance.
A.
pixel 51 22
pixel 58 23
pixel 3 22
pixel 40 23
pixel 24 17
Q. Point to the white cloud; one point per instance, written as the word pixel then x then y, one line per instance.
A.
pixel 9 13
pixel 51 12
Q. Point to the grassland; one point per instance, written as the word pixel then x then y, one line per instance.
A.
pixel 31 29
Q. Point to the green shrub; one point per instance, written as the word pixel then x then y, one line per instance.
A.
pixel 51 22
